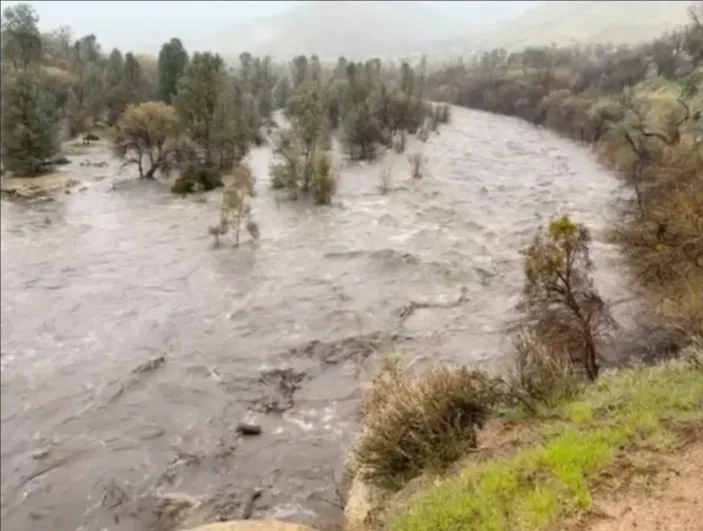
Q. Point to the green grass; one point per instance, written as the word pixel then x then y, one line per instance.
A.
pixel 580 440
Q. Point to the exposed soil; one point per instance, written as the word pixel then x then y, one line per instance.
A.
pixel 673 502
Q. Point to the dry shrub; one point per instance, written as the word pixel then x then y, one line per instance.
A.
pixel 681 305
pixel 385 179
pixel 417 165
pixel 443 113
pixel 664 242
pixel 616 153
pixel 694 354
pixel 542 374
pixel 414 423
pixel 399 140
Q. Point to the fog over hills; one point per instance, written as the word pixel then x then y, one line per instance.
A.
pixel 363 29
pixel 564 22
pixel 359 29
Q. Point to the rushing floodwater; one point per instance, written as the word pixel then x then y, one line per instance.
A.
pixel 101 282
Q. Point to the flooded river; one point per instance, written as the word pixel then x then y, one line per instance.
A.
pixel 131 347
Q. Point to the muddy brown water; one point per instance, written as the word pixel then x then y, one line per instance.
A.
pixel 131 348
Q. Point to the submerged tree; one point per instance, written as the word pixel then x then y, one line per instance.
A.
pixel 235 208
pixel 560 302
pixel 149 136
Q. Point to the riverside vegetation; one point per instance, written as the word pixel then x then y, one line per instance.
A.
pixel 196 118
pixel 640 107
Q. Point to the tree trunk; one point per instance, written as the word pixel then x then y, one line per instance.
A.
pixel 236 235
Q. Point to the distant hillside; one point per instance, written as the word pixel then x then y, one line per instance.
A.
pixel 587 22
pixel 359 30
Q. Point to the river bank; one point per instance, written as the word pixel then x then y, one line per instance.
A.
pixel 650 135
pixel 286 333
pixel 560 468
pixel 584 462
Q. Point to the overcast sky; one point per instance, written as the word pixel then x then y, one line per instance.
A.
pixel 143 26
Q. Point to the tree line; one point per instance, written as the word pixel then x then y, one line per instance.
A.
pixel 195 113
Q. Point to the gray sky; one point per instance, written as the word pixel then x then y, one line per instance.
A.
pixel 143 26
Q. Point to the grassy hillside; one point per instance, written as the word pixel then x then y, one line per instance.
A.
pixel 586 21
pixel 621 428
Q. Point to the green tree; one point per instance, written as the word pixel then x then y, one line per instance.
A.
pixel 173 59
pixel 560 302
pixel 86 101
pixel 133 82
pixel 306 112
pixel 282 92
pixel 29 132
pixel 21 40
pixel 198 99
pixel 149 137
pixel 115 98
pixel 28 121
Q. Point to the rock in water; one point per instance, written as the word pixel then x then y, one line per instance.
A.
pixel 248 429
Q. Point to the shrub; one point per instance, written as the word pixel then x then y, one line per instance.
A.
pixel 324 183
pixel 235 207
pixel 442 113
pixel 399 142
pixel 197 178
pixel 663 241
pixel 298 169
pixel 415 423
pixel 385 180
pixel 560 303
pixel 541 374
pixel 417 164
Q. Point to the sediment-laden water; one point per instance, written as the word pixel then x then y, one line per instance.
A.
pixel 131 348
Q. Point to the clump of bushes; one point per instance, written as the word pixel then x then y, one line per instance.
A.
pixel 303 168
pixel 197 178
pixel 417 422
pixel 542 374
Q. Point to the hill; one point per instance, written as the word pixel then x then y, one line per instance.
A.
pixel 358 30
pixel 587 22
